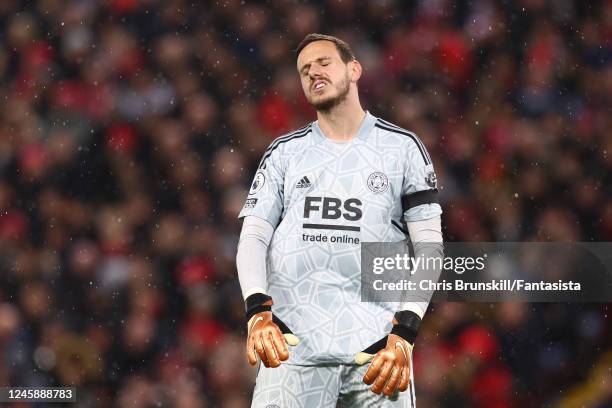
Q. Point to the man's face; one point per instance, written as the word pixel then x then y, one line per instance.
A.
pixel 325 77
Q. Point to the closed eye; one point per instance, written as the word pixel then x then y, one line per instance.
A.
pixel 323 61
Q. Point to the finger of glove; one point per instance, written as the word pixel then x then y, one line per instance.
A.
pixel 405 378
pixel 280 345
pixel 383 377
pixel 373 369
pixel 259 347
pixel 361 358
pixel 394 379
pixel 250 349
pixel 270 350
pixel 253 334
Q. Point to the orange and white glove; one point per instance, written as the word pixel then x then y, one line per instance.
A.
pixel 267 335
pixel 390 356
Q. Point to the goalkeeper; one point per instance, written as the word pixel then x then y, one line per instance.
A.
pixel 318 192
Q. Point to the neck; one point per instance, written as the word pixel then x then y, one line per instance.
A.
pixel 342 122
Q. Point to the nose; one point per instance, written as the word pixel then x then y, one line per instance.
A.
pixel 314 72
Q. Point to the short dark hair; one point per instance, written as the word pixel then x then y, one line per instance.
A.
pixel 346 54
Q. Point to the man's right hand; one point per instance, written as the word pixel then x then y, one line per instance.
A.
pixel 267 335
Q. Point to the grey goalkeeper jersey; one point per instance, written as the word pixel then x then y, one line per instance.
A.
pixel 324 198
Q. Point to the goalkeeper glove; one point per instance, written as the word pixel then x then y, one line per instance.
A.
pixel 267 334
pixel 389 369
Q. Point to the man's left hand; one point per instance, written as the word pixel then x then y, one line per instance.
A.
pixel 389 369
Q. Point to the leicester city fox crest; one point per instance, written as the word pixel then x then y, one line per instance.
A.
pixel 431 179
pixel 378 182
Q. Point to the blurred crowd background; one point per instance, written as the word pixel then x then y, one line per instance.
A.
pixel 129 132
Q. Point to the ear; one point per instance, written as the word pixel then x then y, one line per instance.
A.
pixel 355 70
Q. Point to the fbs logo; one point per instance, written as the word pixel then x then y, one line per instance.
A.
pixel 333 208
pixel 303 183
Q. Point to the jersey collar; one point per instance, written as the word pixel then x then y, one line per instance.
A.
pixel 364 129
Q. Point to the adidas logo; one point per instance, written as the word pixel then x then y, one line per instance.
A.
pixel 303 183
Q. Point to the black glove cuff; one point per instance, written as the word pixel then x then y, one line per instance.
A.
pixel 407 326
pixel 255 304
pixel 405 333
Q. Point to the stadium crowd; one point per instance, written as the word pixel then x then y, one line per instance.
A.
pixel 129 131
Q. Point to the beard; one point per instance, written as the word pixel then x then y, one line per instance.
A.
pixel 326 104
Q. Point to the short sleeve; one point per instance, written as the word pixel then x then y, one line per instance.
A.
pixel 265 198
pixel 420 186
